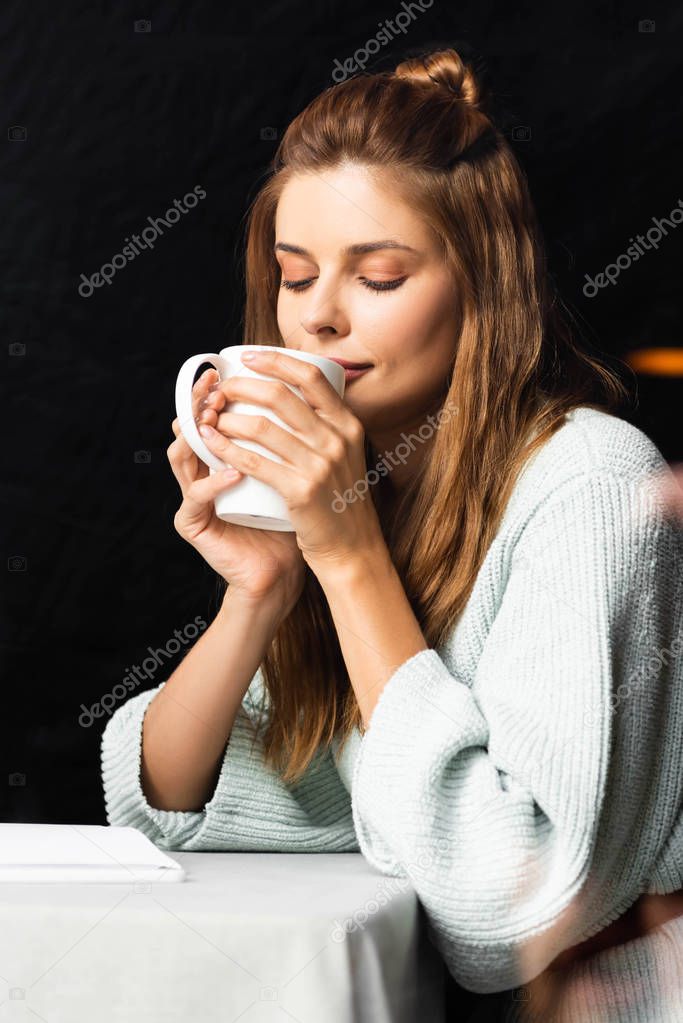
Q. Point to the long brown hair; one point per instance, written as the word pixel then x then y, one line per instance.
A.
pixel 517 367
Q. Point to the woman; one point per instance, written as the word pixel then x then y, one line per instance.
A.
pixel 466 655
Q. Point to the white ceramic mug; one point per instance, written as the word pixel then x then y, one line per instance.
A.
pixel 250 502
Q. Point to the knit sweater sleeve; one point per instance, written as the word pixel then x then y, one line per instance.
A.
pixel 251 807
pixel 490 795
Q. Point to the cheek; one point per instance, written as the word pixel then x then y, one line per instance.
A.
pixel 436 311
pixel 390 326
pixel 286 318
pixel 422 323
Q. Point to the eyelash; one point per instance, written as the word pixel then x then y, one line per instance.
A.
pixel 372 286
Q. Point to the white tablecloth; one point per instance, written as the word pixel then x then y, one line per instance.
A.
pixel 322 936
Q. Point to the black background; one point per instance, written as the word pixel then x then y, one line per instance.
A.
pixel 120 123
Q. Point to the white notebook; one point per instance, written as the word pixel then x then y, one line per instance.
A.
pixel 82 853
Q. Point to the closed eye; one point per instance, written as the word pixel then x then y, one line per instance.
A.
pixel 372 285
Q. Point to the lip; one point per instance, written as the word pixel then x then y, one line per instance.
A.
pixel 350 365
pixel 351 374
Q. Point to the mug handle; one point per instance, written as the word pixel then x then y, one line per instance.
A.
pixel 183 405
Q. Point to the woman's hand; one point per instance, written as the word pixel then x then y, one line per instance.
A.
pixel 259 563
pixel 323 460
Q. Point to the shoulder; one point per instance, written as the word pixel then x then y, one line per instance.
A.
pixel 594 439
pixel 590 445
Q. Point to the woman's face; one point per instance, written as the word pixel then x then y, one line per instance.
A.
pixel 334 306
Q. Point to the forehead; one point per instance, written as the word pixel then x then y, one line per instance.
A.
pixel 347 204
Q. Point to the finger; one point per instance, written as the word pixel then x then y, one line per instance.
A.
pixel 264 431
pixel 185 464
pixel 200 390
pixel 280 476
pixel 206 415
pixel 313 383
pixel 180 454
pixel 319 433
pixel 182 466
pixel 202 491
pixel 201 396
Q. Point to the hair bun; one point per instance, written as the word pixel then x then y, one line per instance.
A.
pixel 445 69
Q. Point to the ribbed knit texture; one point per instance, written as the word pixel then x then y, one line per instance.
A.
pixel 505 773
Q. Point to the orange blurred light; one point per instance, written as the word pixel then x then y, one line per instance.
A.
pixel 663 362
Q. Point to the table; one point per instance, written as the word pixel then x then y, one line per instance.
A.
pixel 255 937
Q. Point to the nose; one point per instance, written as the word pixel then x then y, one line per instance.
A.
pixel 324 314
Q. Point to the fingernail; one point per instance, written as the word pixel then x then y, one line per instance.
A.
pixel 205 430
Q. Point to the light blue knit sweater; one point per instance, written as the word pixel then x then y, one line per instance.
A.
pixel 537 755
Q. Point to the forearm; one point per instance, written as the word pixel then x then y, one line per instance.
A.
pixel 188 723
pixel 375 623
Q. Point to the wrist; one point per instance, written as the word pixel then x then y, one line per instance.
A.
pixel 269 606
pixel 355 569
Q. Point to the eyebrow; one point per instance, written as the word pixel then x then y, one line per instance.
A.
pixel 351 250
